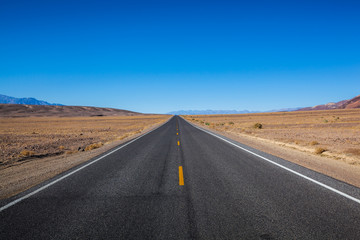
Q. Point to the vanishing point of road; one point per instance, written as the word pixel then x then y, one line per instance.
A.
pixel 181 182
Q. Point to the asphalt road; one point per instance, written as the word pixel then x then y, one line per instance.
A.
pixel 228 193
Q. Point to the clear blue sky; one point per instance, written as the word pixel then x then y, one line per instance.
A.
pixel 160 56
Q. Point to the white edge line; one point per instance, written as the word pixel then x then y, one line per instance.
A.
pixel 76 170
pixel 283 167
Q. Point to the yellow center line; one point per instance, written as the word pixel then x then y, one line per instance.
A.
pixel 181 176
pixel 177 133
pixel 178 143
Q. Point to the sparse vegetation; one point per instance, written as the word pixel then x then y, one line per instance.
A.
pixel 207 124
pixel 51 136
pixel 26 153
pixel 93 146
pixel 306 130
pixel 231 123
pixel 320 150
pixel 258 126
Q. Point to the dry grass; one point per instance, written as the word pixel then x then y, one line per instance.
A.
pixel 337 131
pixel 93 146
pixel 27 139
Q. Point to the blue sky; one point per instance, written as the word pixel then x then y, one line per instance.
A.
pixel 161 56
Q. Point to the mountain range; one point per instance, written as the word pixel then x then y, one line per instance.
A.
pixel 10 110
pixel 24 110
pixel 29 101
pixel 344 104
pixel 31 107
pixel 210 112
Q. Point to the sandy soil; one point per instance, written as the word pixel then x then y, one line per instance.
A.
pixel 60 144
pixel 298 136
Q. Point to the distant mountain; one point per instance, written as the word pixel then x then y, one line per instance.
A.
pixel 284 109
pixel 26 110
pixel 29 101
pixel 345 104
pixel 209 112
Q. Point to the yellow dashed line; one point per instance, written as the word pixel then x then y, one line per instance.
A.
pixel 178 143
pixel 181 176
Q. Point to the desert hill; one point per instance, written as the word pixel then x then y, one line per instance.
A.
pixel 23 110
pixel 345 104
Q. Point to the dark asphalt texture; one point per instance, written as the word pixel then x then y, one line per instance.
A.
pixel 134 193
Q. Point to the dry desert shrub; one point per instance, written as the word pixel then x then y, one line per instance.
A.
pixel 258 126
pixel 320 150
pixel 93 146
pixel 313 143
pixel 26 153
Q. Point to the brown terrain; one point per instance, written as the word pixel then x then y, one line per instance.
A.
pixel 21 110
pixel 345 104
pixel 325 141
pixel 33 149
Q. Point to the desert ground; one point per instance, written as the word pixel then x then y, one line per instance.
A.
pixel 33 149
pixel 326 141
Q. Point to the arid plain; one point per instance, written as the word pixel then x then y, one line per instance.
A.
pixel 34 149
pixel 325 141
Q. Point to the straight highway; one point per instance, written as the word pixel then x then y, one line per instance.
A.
pixel 181 182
